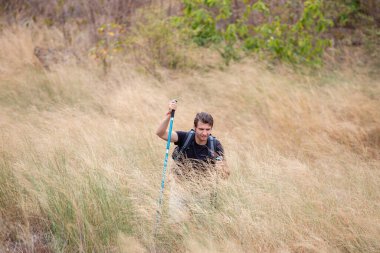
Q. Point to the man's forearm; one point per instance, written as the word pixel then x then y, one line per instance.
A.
pixel 163 126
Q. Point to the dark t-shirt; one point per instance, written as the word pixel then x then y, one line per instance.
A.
pixel 195 153
pixel 196 163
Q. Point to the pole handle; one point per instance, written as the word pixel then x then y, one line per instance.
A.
pixel 172 113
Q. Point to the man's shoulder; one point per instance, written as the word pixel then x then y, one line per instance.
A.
pixel 218 145
pixel 182 134
pixel 181 137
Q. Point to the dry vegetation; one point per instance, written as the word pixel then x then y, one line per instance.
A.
pixel 81 167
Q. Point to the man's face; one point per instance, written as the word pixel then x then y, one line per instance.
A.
pixel 202 132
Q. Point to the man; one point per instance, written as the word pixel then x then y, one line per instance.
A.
pixel 195 164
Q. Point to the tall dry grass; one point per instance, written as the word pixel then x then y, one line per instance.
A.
pixel 81 166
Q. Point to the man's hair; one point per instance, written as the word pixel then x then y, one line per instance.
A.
pixel 204 117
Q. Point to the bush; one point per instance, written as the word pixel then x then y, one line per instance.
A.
pixel 301 42
pixel 298 42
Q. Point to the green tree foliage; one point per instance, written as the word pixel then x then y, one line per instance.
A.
pixel 200 21
pixel 301 42
pixel 298 42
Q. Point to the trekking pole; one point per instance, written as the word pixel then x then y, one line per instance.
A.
pixel 158 214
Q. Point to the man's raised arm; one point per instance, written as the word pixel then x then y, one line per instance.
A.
pixel 162 130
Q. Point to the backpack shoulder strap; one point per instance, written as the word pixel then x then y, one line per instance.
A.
pixel 189 136
pixel 211 145
pixel 178 151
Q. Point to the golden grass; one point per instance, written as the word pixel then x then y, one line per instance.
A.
pixel 81 166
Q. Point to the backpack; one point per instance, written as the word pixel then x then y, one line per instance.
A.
pixel 211 143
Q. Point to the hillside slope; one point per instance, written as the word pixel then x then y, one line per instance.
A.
pixel 81 166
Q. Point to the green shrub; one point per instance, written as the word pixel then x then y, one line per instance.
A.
pixel 299 42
